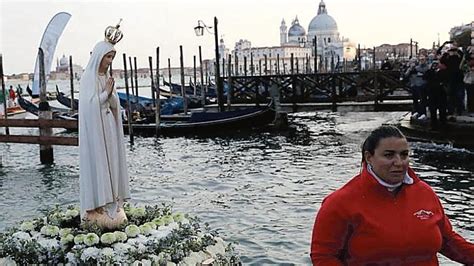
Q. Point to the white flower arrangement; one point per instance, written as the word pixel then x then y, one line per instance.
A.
pixel 153 235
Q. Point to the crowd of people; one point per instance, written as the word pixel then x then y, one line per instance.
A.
pixel 439 83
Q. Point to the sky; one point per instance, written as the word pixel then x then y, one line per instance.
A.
pixel 167 24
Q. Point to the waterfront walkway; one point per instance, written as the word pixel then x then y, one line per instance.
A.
pixel 458 131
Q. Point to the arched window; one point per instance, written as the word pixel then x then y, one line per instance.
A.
pixel 329 40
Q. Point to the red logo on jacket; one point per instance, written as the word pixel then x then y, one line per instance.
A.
pixel 423 214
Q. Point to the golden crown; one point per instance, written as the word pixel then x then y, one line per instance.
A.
pixel 112 34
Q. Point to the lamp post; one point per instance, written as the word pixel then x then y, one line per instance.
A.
pixel 199 30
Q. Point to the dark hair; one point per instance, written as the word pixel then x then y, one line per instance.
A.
pixel 382 132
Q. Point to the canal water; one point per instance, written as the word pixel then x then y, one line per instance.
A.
pixel 261 190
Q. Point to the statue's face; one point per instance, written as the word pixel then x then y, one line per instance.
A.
pixel 106 61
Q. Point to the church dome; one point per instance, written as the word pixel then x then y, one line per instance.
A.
pixel 296 30
pixel 322 21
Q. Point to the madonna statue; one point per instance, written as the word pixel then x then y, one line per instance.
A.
pixel 104 181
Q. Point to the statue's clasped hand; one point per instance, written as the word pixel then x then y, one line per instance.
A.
pixel 110 85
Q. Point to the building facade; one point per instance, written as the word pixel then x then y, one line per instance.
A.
pixel 62 70
pixel 329 51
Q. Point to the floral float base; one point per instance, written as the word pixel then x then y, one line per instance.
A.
pixel 152 235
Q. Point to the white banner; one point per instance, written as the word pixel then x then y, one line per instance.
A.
pixel 48 44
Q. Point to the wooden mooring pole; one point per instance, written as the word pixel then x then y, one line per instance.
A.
pixel 46 150
pixel 136 77
pixel 203 92
pixel 71 79
pixel 157 90
pixel 157 105
pixel 132 85
pixel 229 81
pixel 194 76
pixel 5 113
pixel 129 108
pixel 183 90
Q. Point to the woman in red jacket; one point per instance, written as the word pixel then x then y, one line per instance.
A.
pixel 385 215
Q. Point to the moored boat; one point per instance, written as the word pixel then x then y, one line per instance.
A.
pixel 211 123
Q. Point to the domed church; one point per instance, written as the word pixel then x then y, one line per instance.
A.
pixel 323 27
pixel 296 42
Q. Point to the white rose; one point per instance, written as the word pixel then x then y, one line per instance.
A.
pixel 67 239
pixel 27 226
pixel 120 236
pixel 91 239
pixel 145 229
pixel 90 253
pixel 71 213
pixel 107 253
pixel 64 232
pixel 132 230
pixel 152 225
pixel 167 219
pixel 22 236
pixel 178 217
pixel 108 238
pixel 79 239
pixel 50 230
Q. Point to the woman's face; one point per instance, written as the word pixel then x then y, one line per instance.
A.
pixel 390 159
pixel 106 61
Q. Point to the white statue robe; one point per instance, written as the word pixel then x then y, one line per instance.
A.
pixel 104 180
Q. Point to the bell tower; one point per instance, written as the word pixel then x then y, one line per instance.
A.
pixel 283 33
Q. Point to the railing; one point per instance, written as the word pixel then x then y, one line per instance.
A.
pixel 41 124
pixel 375 86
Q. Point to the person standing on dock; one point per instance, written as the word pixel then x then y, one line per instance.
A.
pixel 469 79
pixel 104 181
pixel 415 72
pixel 437 98
pixel 386 215
pixel 452 59
pixel 11 97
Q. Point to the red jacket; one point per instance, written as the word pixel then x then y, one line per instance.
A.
pixel 363 223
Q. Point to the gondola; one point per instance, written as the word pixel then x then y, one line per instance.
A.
pixel 210 93
pixel 61 97
pixel 30 92
pixel 211 123
pixel 176 88
pixel 58 113
pixel 210 89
